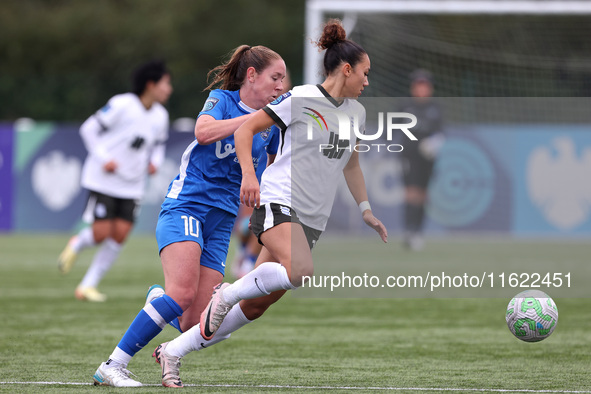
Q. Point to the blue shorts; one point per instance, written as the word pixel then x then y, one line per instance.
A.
pixel 209 226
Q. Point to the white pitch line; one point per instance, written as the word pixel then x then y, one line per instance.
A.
pixel 289 387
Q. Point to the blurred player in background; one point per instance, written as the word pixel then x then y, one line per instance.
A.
pixel 286 222
pixel 418 159
pixel 125 141
pixel 196 220
pixel 249 247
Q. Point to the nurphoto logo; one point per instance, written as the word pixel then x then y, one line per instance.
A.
pixel 348 127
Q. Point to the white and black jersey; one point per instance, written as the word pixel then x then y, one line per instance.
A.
pixel 317 140
pixel 128 133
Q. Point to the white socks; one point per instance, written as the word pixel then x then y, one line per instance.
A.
pixel 101 263
pixel 84 240
pixel 191 340
pixel 119 357
pixel 263 280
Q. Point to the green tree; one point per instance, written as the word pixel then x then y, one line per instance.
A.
pixel 63 59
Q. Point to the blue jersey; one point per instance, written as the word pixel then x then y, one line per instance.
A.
pixel 210 174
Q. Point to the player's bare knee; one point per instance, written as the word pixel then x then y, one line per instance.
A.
pixel 183 297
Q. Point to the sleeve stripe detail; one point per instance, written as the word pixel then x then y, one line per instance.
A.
pixel 103 127
pixel 275 118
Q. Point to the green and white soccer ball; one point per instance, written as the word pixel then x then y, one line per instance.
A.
pixel 532 315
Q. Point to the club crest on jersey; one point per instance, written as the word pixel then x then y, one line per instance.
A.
pixel 280 98
pixel 265 133
pixel 210 103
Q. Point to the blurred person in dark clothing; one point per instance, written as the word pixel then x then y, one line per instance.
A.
pixel 418 160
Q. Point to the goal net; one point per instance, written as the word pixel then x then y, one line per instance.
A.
pixel 474 48
pixel 512 78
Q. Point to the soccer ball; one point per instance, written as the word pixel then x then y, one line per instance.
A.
pixel 532 315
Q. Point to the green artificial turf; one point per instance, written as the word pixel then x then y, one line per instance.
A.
pixel 51 342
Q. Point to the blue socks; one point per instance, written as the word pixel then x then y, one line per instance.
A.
pixel 176 324
pixel 148 323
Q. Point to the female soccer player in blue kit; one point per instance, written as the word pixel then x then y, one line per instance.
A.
pixel 197 216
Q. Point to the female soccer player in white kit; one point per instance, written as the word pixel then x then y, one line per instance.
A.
pixel 125 141
pixel 296 192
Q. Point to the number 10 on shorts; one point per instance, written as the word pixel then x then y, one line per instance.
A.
pixel 191 226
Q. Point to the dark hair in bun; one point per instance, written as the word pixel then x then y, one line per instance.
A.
pixel 338 48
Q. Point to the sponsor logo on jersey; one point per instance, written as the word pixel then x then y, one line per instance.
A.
pixel 335 147
pixel 137 143
pixel 317 117
pixel 228 150
pixel 210 103
pixel 280 98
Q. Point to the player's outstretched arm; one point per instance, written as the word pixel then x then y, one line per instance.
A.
pixel 356 184
pixel 209 129
pixel 250 189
